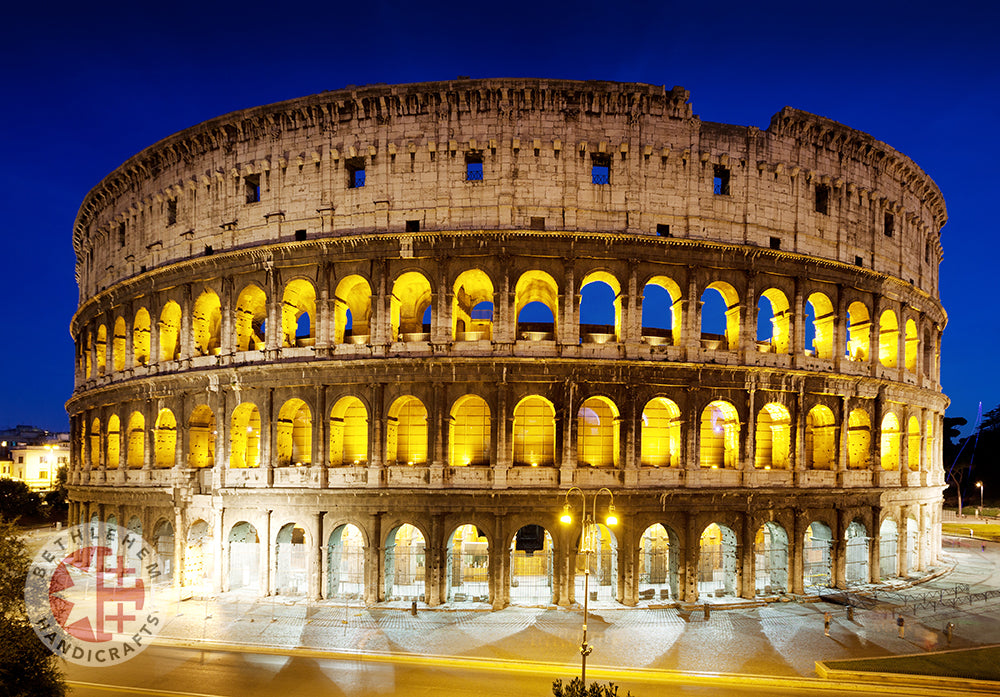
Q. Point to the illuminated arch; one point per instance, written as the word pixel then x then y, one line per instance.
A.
pixel 468 555
pixel 201 437
pixel 913 444
pixel 888 339
pixel 345 551
pixel 140 337
pixel 536 286
pixel 859 439
pixel 717 561
pixel 165 439
pixel 822 320
pixel 244 443
pixel 534 433
pixel 298 314
pixel 95 443
pixel 731 299
pixel 780 319
pixel 608 280
pixel 858 331
pixel 889 450
pixel 250 318
pixel 102 349
pixel 597 433
pixel 473 298
pixel 821 439
pixel 653 309
pixel 817 557
pixel 404 563
pixel 772 439
pixel 118 344
pixel 469 431
pixel 135 452
pixel 352 310
pixel 170 332
pixel 770 548
pixel 348 432
pixel 659 559
pixel 720 435
pixel 661 433
pixel 114 442
pixel 293 437
pixel 411 297
pixel 406 432
pixel 909 350
pixel 206 324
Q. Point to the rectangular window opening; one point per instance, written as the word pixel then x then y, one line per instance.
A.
pixel 413 226
pixel 858 261
pixel 355 172
pixel 473 167
pixel 171 211
pixel 537 223
pixel 775 242
pixel 121 234
pixel 720 184
pixel 208 250
pixel 889 224
pixel 823 199
pixel 300 235
pixel 251 188
pixel 600 169
pixel 663 230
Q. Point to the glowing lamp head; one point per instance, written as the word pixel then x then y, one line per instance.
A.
pixel 612 518
pixel 566 517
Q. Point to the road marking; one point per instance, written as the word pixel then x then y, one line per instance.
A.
pixel 136 690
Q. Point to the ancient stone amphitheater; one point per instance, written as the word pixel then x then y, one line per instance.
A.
pixel 361 345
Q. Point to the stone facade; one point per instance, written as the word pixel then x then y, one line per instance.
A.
pixel 308 315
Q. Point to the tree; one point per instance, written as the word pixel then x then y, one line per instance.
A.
pixel 56 499
pixel 27 668
pixel 17 500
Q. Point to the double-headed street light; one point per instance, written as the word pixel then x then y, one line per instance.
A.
pixel 587 547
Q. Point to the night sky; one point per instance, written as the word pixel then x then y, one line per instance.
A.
pixel 85 89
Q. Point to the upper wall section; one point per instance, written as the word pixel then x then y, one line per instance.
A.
pixel 563 155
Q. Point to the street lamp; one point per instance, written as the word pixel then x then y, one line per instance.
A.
pixel 979 485
pixel 586 546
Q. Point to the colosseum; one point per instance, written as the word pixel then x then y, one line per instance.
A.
pixel 371 344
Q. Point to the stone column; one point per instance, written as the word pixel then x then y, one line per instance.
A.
pixel 689 567
pixel 220 581
pixel 267 554
pixel 316 580
pixel 838 550
pixel 795 573
pixel 747 558
pixel 179 546
pixel 186 334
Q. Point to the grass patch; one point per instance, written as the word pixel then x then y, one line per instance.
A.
pixel 976 664
pixel 984 531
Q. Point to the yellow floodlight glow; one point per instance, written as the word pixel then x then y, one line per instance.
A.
pixel 611 519
pixel 566 517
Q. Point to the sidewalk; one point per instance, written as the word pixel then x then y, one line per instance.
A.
pixel 784 639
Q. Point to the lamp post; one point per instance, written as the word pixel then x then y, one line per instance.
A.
pixel 979 485
pixel 586 546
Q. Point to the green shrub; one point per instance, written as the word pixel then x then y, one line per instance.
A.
pixel 594 689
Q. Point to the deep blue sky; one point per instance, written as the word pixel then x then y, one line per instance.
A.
pixel 84 89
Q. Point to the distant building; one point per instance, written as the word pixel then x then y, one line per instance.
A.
pixel 33 456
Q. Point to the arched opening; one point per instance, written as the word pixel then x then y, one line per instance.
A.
pixel 534 432
pixel 170 332
pixel 911 346
pixel 720 317
pixel 406 432
pixel 404 564
pixel 601 561
pixel 600 308
pixel 291 561
pixel 717 562
pixel 772 438
pixel 888 550
pixel 118 344
pixel 661 311
pixel 467 566
pixel 244 557
pixel 913 444
pixel 912 545
pixel 858 331
pixel 770 551
pixel 817 566
pixel 140 337
pixel 199 559
pixel 411 298
pixel 293 437
pixel 889 450
pixel 135 454
pixel 856 565
pixel 659 556
pixel 819 326
pixel 101 348
pixel 298 311
pixel 251 316
pixel 352 310
pixel 821 439
pixel 773 321
pixel 345 568
pixel 720 435
pixel 536 306
pixel 244 447
pixel 206 324
pixel 597 433
pixel 87 355
pixel 661 433
pixel 165 439
pixel 95 444
pixel 888 339
pixel 472 306
pixel 469 432
pixel 201 437
pixel 163 543
pixel 348 432
pixel 531 566
pixel 114 442
pixel 859 440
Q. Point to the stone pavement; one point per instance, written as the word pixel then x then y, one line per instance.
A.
pixel 784 638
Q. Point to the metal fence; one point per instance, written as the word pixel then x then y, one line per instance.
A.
pixel 530 577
